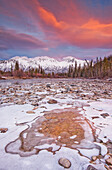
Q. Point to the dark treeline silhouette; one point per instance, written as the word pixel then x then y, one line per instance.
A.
pixel 101 68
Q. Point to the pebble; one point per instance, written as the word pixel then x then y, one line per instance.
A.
pixel 90 167
pixel 104 115
pixel 3 130
pixel 64 162
pixel 109 161
pixel 35 108
pixel 48 86
pixel 30 112
pixel 52 101
pixel 94 158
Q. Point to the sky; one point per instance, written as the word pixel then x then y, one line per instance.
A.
pixel 55 28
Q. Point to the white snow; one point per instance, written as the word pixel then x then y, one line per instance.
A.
pixel 48 63
pixel 11 116
pixel 53 146
pixel 103 148
pixel 73 137
pixel 103 125
pixel 89 152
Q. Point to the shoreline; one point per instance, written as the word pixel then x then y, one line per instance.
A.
pixel 28 78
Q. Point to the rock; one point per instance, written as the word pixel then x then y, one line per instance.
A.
pixel 64 162
pixel 94 158
pixel 52 101
pixel 105 92
pixel 43 107
pixel 90 167
pixel 110 154
pixel 104 115
pixel 110 167
pixel 3 130
pixel 107 167
pixel 72 85
pixel 109 148
pixel 35 108
pixel 95 117
pixel 68 89
pixel 35 104
pixel 109 161
pixel 78 91
pixel 48 86
pixel 30 112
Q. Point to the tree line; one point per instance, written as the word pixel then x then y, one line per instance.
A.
pixel 31 72
pixel 101 68
pixel 39 72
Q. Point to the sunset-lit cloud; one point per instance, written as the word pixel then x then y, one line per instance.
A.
pixel 9 39
pixel 46 25
pixel 50 19
pixel 90 34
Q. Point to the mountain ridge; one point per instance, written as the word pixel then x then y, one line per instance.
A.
pixel 49 64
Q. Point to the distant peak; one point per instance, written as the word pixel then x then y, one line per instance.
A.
pixel 18 57
pixel 15 58
pixel 44 58
pixel 69 59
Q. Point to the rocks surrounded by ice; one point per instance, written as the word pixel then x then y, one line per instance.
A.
pixel 15 118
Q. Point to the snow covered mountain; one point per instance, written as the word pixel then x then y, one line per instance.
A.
pixel 48 64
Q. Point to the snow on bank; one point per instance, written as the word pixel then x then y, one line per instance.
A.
pixel 10 116
pixel 15 114
pixel 103 123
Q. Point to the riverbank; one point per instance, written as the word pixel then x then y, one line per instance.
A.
pixel 44 120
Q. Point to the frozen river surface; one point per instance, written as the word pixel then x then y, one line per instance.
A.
pixel 44 120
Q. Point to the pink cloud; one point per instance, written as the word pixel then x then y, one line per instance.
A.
pixel 10 39
pixel 91 34
pixel 68 23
